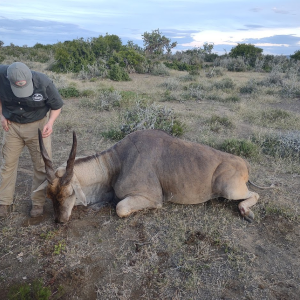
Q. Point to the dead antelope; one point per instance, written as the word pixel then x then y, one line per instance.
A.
pixel 142 171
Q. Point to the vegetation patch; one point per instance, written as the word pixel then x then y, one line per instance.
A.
pixel 224 84
pixel 143 116
pixel 250 87
pixel 281 145
pixel 106 100
pixel 69 92
pixel 275 115
pixel 217 123
pixel 277 210
pixel 232 99
pixel 238 147
pixel 159 70
pixel 117 73
pixel 33 291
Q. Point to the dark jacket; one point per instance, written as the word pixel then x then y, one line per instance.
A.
pixel 33 108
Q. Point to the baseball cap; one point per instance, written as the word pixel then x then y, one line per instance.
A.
pixel 20 78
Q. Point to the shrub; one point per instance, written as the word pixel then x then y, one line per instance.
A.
pixel 113 134
pixel 97 69
pixel 69 92
pixel 105 101
pixel 142 116
pixel 275 115
pixel 281 145
pixel 151 117
pixel 225 83
pixel 217 123
pixel 118 73
pixel 249 88
pixel 71 56
pixel 29 292
pixel 248 51
pixel 186 78
pixel 169 96
pixel 129 58
pixel 213 96
pixel 296 55
pixel 183 66
pixel 196 91
pixel 171 84
pixel 234 64
pixel 290 89
pixel 159 70
pixel 232 99
pixel 104 46
pixel 243 148
pixel 87 93
pixel 274 79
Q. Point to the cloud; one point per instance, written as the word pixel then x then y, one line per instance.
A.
pixel 234 37
pixel 254 26
pixel 29 32
pixel 255 9
pixel 280 11
pixel 277 40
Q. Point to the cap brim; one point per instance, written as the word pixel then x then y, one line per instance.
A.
pixel 22 92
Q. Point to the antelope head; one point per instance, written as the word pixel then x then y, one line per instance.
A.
pixel 62 184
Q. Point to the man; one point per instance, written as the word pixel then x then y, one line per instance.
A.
pixel 26 97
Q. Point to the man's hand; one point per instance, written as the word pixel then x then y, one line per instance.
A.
pixel 4 123
pixel 47 130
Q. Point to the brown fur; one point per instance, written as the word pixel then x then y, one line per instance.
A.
pixel 149 167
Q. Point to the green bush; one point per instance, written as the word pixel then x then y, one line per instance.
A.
pixel 35 291
pixel 213 96
pixel 217 123
pixel 113 134
pixel 128 58
pixel 182 66
pixel 105 46
pixel 118 73
pixel 275 115
pixel 69 92
pixel 296 55
pixel 72 56
pixel 248 51
pixel 225 83
pixel 243 148
pixel 232 99
pixel 87 93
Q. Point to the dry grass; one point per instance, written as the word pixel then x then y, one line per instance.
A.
pixel 204 251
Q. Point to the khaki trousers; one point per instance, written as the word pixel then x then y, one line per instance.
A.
pixel 14 140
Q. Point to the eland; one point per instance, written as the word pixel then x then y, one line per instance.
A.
pixel 143 170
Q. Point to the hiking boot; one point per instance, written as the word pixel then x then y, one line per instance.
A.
pixel 36 211
pixel 3 210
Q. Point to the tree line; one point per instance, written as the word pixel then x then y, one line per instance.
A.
pixel 106 56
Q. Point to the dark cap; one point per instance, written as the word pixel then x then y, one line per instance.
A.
pixel 20 78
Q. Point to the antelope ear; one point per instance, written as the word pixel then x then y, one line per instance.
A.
pixel 42 186
pixel 81 199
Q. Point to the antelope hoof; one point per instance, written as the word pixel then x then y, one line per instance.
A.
pixel 249 217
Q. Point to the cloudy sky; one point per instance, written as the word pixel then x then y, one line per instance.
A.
pixel 271 25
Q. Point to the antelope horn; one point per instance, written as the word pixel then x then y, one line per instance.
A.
pixel 50 174
pixel 70 163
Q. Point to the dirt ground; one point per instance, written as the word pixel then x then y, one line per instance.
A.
pixel 204 251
